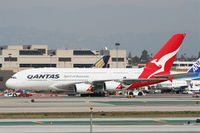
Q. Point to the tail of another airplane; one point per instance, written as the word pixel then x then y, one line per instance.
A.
pixel 193 88
pixel 102 62
pixel 162 62
pixel 195 68
pixel 190 84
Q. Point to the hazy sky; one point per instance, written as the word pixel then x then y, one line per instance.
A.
pixel 94 24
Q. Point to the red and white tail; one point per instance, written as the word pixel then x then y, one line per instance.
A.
pixel 162 62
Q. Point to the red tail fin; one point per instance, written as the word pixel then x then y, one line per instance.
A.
pixel 162 62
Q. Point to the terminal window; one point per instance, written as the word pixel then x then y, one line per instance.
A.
pixel 119 59
pixel 64 59
pixel 10 59
pixel 83 65
pixel 37 65
pixel 83 52
pixel 31 52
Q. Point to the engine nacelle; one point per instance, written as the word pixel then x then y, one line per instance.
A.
pixel 112 86
pixel 83 88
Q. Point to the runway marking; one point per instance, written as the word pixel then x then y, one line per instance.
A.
pixel 38 122
pixel 162 121
pixel 194 102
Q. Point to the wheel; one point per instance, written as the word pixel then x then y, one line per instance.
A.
pixel 84 95
pixel 140 94
pixel 14 95
pixel 130 93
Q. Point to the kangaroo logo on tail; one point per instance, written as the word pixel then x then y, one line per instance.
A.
pixel 162 61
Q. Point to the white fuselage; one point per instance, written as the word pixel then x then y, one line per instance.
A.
pixel 194 87
pixel 49 78
pixel 176 83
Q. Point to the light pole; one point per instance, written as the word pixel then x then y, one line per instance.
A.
pixel 91 113
pixel 117 47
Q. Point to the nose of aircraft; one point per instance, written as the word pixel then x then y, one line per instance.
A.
pixel 10 84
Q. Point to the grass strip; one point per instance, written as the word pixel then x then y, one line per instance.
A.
pixel 100 114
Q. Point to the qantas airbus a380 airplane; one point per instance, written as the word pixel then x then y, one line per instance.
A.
pixel 98 80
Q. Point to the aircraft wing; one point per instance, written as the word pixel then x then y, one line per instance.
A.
pixel 129 81
pixel 62 86
pixel 176 76
pixel 132 81
pixel 102 81
pixel 68 88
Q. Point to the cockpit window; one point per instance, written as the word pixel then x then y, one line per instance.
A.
pixel 14 77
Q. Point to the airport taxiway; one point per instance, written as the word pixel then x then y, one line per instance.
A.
pixel 112 125
pixel 107 104
pixel 101 128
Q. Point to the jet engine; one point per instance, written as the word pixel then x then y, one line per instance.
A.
pixel 83 88
pixel 112 86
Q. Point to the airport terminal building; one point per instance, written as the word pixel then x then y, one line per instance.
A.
pixel 19 57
